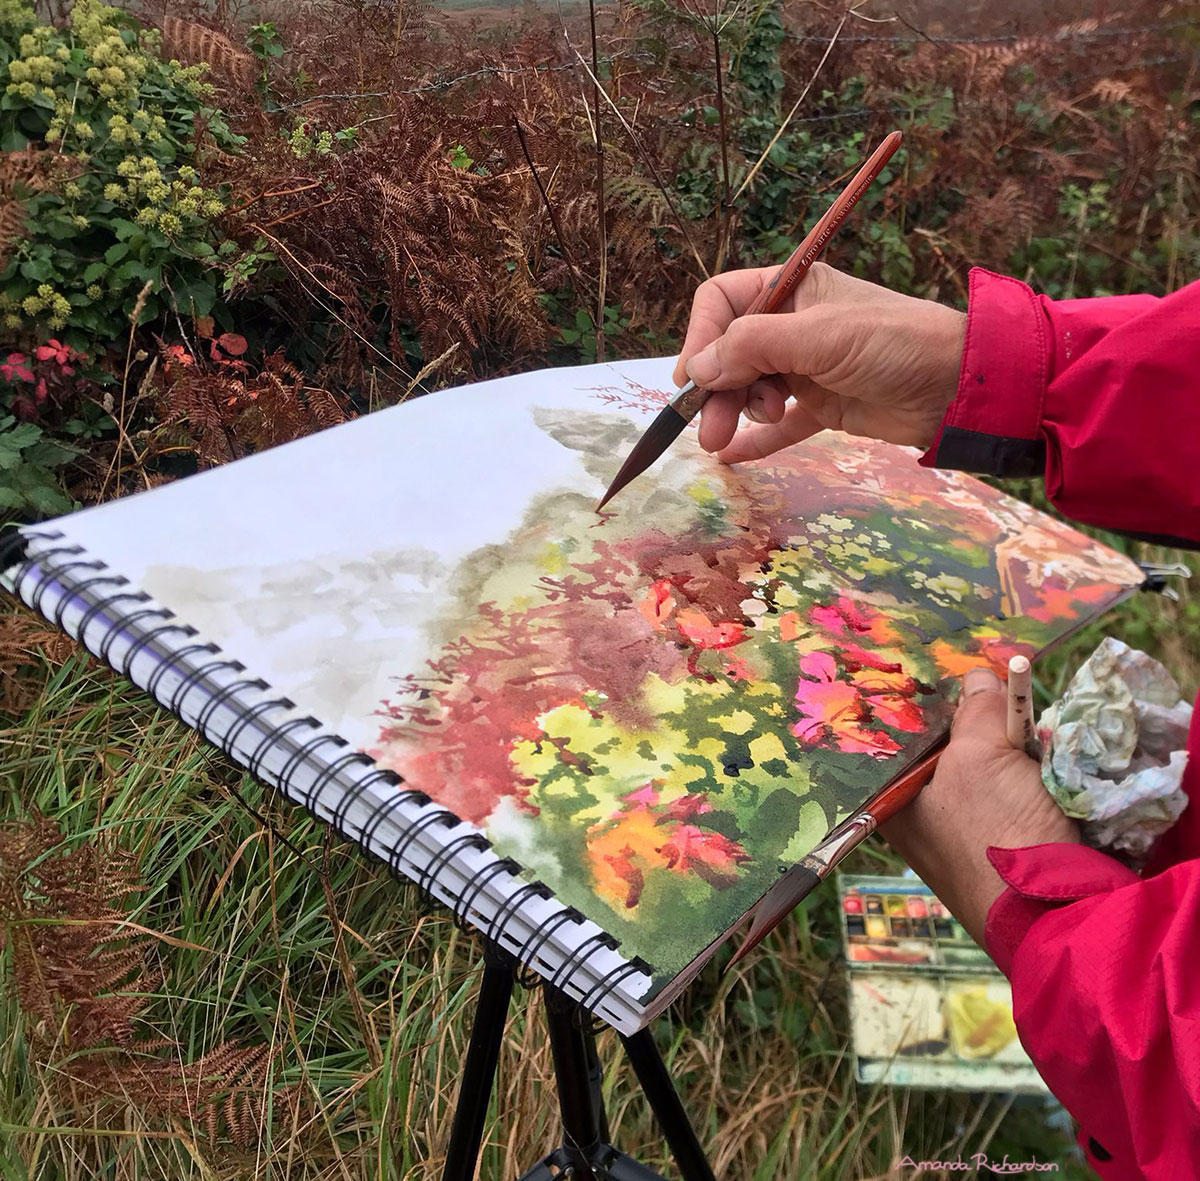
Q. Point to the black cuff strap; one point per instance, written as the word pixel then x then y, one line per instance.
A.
pixel 990 455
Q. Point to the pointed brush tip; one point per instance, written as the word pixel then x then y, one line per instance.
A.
pixel 661 433
pixel 746 948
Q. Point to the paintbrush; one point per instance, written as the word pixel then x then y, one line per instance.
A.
pixel 809 872
pixel 690 399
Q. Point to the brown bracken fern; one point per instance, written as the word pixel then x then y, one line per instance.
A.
pixel 85 977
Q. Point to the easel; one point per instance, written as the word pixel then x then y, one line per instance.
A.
pixel 586 1154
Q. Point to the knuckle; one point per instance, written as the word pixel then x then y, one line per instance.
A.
pixel 822 276
pixel 737 341
pixel 706 293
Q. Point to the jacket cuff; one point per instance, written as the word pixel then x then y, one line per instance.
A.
pixel 993 425
pixel 1040 878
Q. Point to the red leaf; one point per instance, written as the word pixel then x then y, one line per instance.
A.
pixel 232 343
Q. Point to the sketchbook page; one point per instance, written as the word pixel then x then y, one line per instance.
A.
pixel 653 710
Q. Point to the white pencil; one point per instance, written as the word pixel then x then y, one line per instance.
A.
pixel 1021 732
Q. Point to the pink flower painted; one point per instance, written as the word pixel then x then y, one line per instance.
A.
pixel 833 712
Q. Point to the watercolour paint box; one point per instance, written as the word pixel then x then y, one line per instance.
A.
pixel 928 1008
pixel 597 737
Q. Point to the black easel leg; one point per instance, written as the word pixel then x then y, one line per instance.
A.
pixel 651 1071
pixel 577 1072
pixel 479 1074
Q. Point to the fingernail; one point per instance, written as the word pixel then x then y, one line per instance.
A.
pixel 753 412
pixel 704 367
pixel 980 680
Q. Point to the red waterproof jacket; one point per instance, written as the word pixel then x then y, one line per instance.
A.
pixel 1103 397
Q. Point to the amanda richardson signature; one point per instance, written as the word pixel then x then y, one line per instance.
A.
pixel 977 1161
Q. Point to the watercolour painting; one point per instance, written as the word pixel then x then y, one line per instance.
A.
pixel 654 709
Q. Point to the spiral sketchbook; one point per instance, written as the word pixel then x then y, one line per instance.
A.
pixel 597 738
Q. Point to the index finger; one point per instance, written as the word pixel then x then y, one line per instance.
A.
pixel 717 303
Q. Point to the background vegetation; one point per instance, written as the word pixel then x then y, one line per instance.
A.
pixel 220 229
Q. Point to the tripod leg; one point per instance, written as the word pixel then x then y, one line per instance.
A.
pixel 577 1073
pixel 651 1071
pixel 479 1074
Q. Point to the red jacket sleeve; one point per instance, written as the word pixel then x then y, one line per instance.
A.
pixel 1100 395
pixel 1103 396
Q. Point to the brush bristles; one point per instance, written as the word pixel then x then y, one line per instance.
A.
pixel 661 433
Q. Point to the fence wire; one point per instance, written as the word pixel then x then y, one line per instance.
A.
pixel 1057 37
pixel 951 39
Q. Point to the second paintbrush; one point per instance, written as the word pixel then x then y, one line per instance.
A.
pixel 689 401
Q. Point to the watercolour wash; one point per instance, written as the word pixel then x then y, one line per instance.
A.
pixel 655 709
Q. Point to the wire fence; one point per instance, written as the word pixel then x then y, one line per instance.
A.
pixel 1065 34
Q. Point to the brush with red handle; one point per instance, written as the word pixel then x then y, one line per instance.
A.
pixel 810 871
pixel 689 401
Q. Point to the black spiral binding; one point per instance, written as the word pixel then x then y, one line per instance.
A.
pixel 54 564
pixel 532 947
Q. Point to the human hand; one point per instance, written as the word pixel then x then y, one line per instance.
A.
pixel 848 354
pixel 984 793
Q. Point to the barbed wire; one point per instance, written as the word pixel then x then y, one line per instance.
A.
pixel 441 84
pixel 482 72
pixel 1064 34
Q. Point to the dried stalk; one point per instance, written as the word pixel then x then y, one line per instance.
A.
pixel 576 278
pixel 795 107
pixel 602 280
pixel 723 231
pixel 648 160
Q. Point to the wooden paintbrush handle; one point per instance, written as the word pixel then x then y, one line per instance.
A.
pixel 802 258
pixel 904 790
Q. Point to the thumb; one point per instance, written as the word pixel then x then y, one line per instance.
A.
pixel 808 343
pixel 982 709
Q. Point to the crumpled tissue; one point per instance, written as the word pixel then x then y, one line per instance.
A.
pixel 1114 750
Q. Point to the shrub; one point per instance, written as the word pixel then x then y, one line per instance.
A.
pixel 104 195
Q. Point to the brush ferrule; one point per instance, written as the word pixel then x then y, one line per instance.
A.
pixel 689 401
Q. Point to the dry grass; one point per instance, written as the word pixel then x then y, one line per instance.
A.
pixel 349 1006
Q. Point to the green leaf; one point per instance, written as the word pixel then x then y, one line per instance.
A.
pixel 10 497
pixel 132 269
pixel 13 139
pixel 46 454
pixel 95 270
pixel 21 436
pixel 195 297
pixel 37 270
pixel 47 499
pixel 112 256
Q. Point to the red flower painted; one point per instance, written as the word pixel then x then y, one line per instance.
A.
pixel 848 617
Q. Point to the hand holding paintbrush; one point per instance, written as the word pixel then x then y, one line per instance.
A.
pixel 690 400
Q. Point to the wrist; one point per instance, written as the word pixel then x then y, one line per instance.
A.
pixel 946 346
